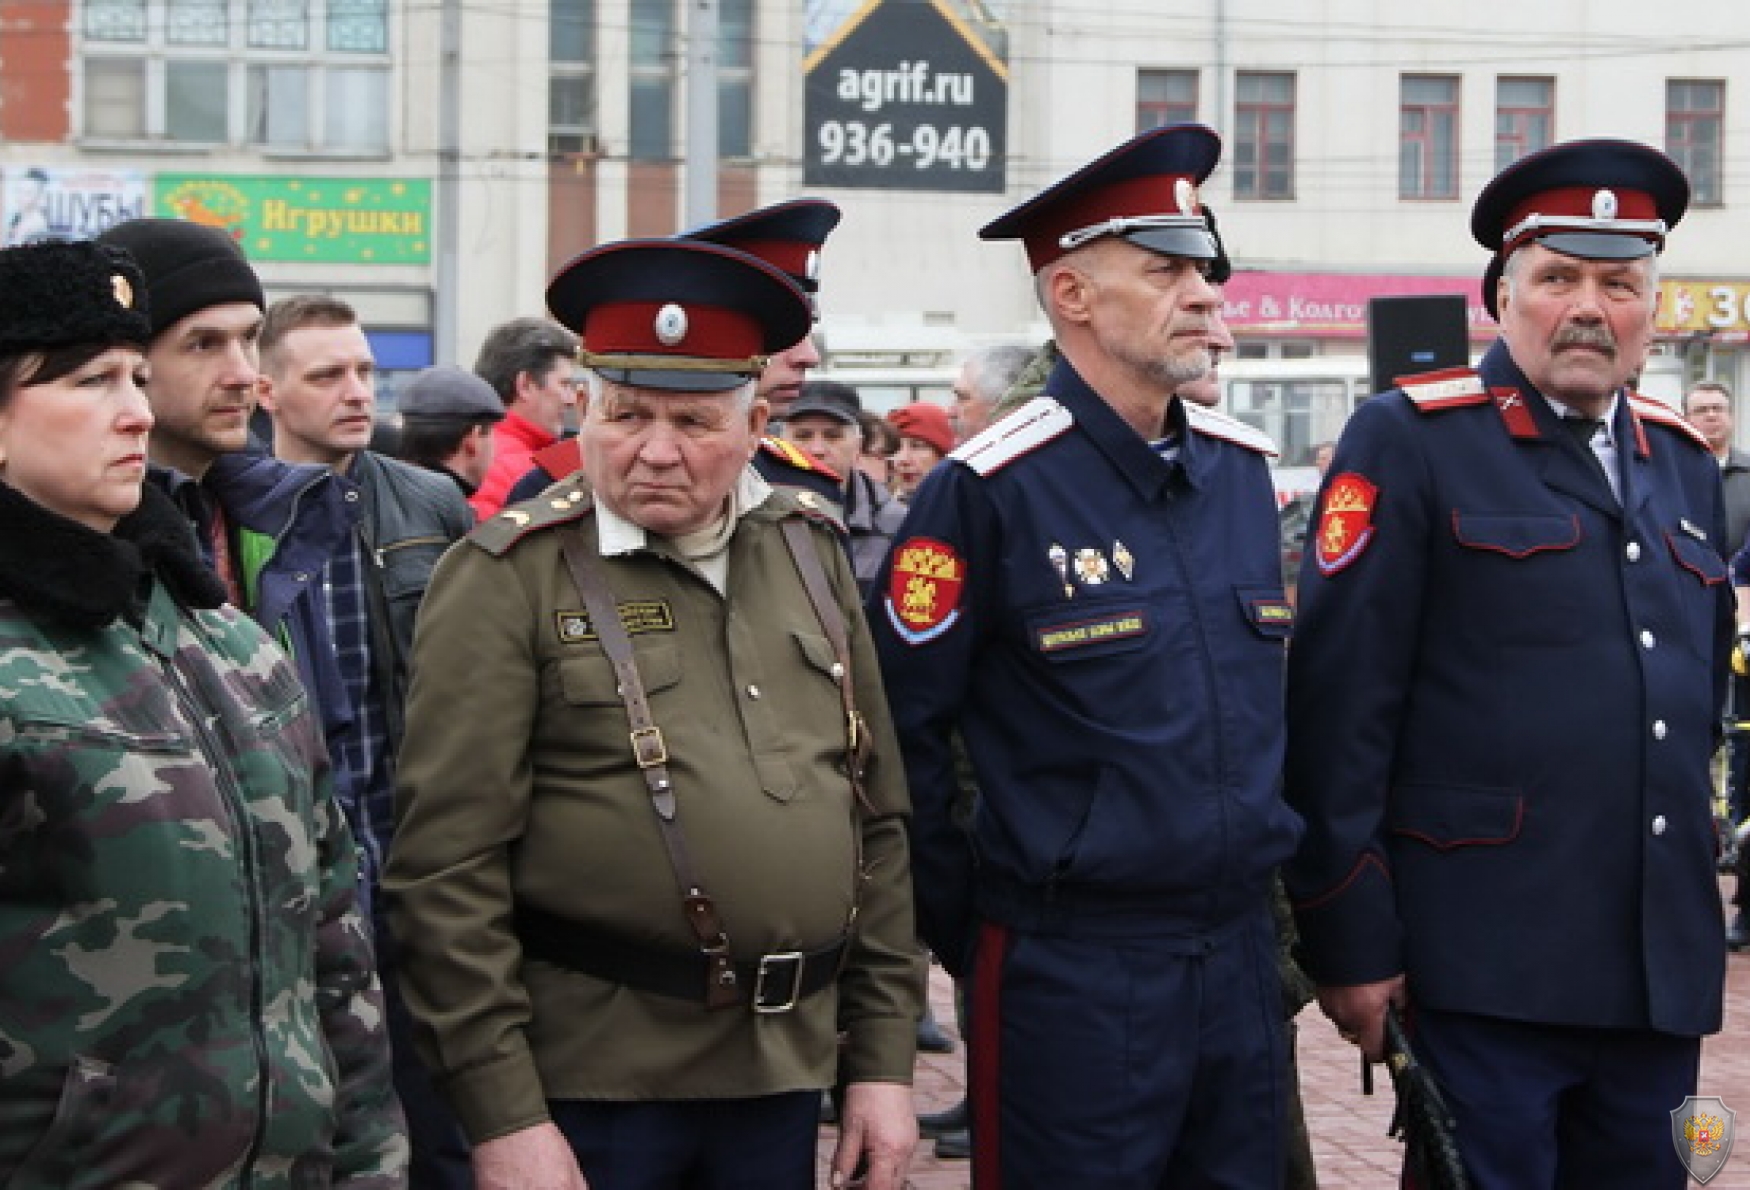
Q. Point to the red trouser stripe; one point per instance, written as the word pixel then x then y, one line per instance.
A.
pixel 983 1092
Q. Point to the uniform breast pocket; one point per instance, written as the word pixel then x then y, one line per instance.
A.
pixel 1702 575
pixel 1267 610
pixel 97 779
pixel 1520 575
pixel 592 718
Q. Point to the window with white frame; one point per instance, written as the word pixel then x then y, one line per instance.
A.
pixel 658 62
pixel 571 111
pixel 292 75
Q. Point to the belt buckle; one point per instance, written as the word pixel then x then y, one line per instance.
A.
pixel 771 964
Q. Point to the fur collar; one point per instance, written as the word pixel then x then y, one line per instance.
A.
pixel 62 570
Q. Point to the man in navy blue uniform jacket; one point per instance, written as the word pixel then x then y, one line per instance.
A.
pixel 1504 694
pixel 1089 593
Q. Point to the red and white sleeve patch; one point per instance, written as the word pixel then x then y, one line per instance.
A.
pixel 923 589
pixel 1345 527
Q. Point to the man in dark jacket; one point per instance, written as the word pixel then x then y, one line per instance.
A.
pixel 266 527
pixel 1503 701
pixel 319 388
pixel 447 415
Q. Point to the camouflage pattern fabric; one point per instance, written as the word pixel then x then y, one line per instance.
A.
pixel 187 992
pixel 1030 383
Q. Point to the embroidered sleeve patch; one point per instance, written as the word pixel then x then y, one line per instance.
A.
pixel 1345 522
pixel 923 589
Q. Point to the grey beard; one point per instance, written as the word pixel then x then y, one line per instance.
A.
pixel 1174 372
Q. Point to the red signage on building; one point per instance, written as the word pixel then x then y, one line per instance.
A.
pixel 1333 305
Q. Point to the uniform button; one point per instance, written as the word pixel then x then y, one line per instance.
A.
pixel 838 672
pixel 1634 551
pixel 352 497
pixel 753 691
pixel 1658 824
pixel 1658 729
pixel 302 577
pixel 1647 640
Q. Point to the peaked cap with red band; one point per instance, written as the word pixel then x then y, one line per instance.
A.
pixel 786 235
pixel 1594 199
pixel 1144 191
pixel 677 314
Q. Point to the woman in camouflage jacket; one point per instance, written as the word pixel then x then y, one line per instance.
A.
pixel 187 994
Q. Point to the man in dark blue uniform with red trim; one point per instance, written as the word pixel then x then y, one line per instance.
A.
pixel 1089 592
pixel 1504 694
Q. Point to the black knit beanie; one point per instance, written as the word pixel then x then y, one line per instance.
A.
pixel 188 267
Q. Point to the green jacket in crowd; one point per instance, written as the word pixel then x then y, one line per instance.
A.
pixel 518 790
pixel 187 994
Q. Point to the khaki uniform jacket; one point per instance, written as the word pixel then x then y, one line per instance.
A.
pixel 517 788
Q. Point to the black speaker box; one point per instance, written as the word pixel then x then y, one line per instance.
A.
pixel 1406 335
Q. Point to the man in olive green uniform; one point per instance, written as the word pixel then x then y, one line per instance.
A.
pixel 640 895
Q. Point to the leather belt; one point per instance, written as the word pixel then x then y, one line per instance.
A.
pixel 771 983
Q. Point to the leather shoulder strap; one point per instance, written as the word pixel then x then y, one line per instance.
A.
pixel 832 621
pixel 651 756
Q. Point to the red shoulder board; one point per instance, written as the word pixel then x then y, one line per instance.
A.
pixel 559 459
pixel 1654 410
pixel 1449 388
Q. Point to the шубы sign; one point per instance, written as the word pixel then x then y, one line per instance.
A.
pixel 334 220
pixel 905 95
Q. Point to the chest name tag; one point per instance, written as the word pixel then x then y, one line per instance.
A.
pixel 651 615
pixel 1077 634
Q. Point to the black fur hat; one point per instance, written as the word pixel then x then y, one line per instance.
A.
pixel 56 293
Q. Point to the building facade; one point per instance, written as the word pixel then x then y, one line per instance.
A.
pixel 435 162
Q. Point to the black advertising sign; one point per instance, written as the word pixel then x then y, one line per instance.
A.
pixel 904 95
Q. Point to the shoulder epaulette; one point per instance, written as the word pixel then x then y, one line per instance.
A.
pixel 1025 430
pixel 1449 388
pixel 1654 410
pixel 1211 424
pixel 795 456
pixel 559 459
pixel 798 500
pixel 565 501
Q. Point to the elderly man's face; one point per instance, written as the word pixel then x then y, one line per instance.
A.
pixel 667 461
pixel 1578 329
pixel 826 440
pixel 971 409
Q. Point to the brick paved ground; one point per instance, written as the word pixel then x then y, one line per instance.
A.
pixel 1348 1130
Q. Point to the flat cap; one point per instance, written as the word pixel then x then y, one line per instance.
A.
pixel 445 392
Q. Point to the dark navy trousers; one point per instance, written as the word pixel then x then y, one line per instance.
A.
pixel 764 1143
pixel 1547 1107
pixel 1132 1064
